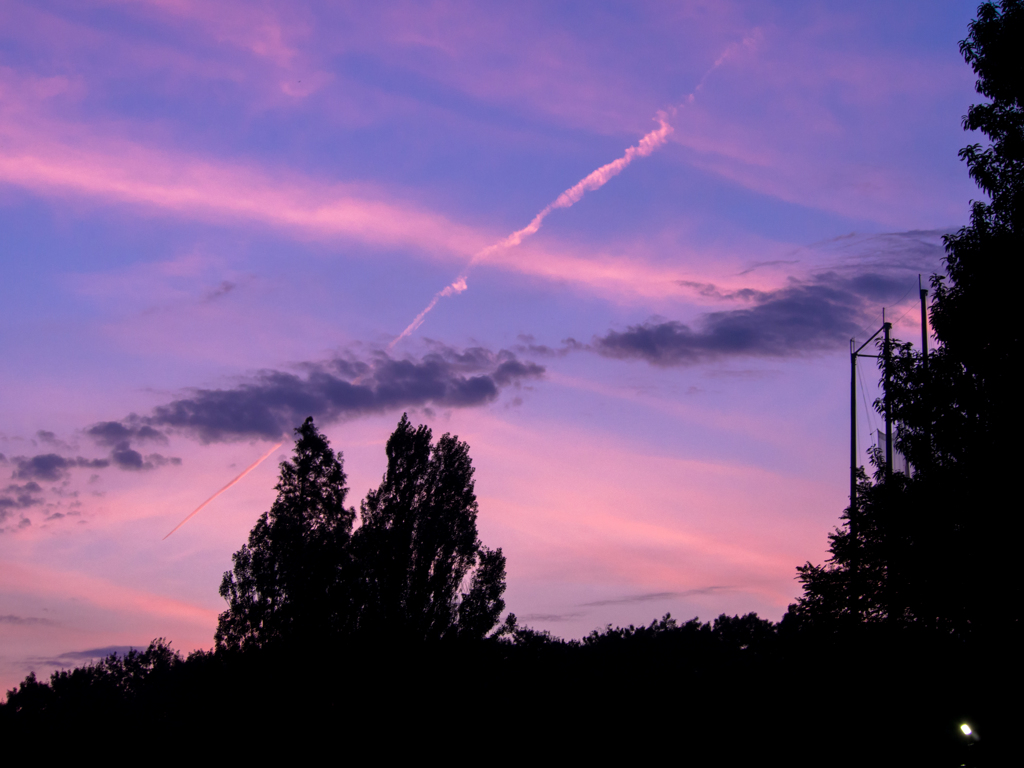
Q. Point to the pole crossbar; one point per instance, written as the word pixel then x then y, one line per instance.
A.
pixel 854 354
pixel 873 336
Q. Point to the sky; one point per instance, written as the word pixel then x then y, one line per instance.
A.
pixel 645 233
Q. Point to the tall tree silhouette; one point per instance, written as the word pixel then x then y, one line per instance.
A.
pixel 418 548
pixel 940 550
pixel 292 578
pixel 962 410
pixel 414 570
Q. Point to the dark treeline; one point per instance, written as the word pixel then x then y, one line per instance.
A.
pixel 731 690
pixel 391 631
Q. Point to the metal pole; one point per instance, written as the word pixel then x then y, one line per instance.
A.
pixel 853 430
pixel 926 390
pixel 924 322
pixel 854 589
pixel 854 354
pixel 887 359
pixel 852 584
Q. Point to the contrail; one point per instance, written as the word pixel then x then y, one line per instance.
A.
pixel 245 472
pixel 595 180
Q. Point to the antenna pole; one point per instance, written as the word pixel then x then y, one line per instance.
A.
pixel 852 517
pixel 853 430
pixel 927 378
pixel 924 321
pixel 887 361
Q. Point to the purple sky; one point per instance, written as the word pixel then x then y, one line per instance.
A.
pixel 217 216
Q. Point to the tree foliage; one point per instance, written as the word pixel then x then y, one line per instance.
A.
pixel 418 545
pixel 972 315
pixel 291 579
pixel 891 567
pixel 414 570
pixel 116 684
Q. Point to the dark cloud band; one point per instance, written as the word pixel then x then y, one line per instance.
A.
pixel 51 466
pixel 19 497
pixel 115 433
pixel 800 318
pixel 820 312
pixel 272 402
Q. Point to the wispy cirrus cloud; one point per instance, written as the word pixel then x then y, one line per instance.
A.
pixel 96 160
pixel 263 31
pixel 649 596
pixel 802 122
pixel 99 592
pixel 181 185
pixel 78 658
pixel 24 621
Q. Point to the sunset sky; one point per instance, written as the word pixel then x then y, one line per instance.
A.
pixel 218 218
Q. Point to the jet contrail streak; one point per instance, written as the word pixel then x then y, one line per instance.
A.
pixel 245 472
pixel 593 181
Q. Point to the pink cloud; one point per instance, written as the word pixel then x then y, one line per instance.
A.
pixel 768 122
pixel 258 48
pixel 520 58
pixel 517 58
pixel 835 129
pixel 68 610
pixel 638 271
pixel 891 196
pixel 51 159
pixel 101 593
pixel 258 29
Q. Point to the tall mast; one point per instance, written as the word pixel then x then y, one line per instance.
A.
pixel 926 389
pixel 887 362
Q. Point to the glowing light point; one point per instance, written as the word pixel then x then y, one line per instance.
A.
pixel 966 729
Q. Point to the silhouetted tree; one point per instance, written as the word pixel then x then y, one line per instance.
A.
pixel 112 687
pixel 864 580
pixel 417 547
pixel 293 578
pixel 414 570
pixel 978 329
pixel 962 411
pixel 939 551
pixel 960 416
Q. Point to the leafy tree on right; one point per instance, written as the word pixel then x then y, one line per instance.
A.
pixel 939 551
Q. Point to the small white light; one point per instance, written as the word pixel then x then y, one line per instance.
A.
pixel 966 729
